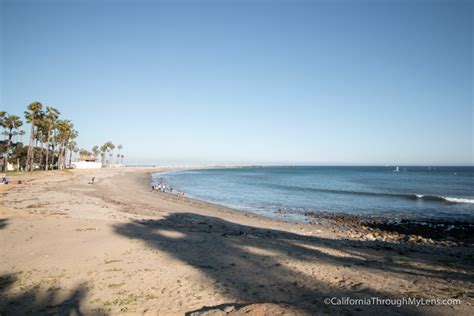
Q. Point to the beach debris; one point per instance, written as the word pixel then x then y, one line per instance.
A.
pixel 370 237
pixel 86 229
pixel 229 309
pixel 449 233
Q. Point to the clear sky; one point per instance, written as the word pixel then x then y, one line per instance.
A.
pixel 342 82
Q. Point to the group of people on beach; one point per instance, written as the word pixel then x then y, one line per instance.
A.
pixel 160 187
pixel 163 187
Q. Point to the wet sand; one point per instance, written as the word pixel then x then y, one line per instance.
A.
pixel 116 246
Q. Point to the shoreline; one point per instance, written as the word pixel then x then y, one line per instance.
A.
pixel 393 228
pixel 452 206
pixel 117 247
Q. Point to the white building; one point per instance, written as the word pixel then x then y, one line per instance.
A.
pixel 86 163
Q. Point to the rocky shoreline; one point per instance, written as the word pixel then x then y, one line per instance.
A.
pixel 444 232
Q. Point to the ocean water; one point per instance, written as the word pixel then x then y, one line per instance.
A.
pixel 434 192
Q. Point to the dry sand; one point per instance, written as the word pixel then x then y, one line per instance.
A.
pixel 115 246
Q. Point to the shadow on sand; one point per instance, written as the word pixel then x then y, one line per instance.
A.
pixel 259 261
pixel 34 302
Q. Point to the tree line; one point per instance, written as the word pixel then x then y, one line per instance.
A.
pixel 106 152
pixel 51 139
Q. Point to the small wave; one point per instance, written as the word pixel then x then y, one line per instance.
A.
pixel 423 197
pixel 444 199
pixel 459 200
pixel 426 197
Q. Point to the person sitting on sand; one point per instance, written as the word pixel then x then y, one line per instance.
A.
pixel 5 179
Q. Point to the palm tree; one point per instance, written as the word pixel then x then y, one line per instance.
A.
pixel 111 147
pixel 72 144
pixel 72 135
pixel 51 118
pixel 76 150
pixel 121 156
pixel 54 141
pixel 2 116
pixel 62 129
pixel 34 109
pixel 10 123
pixel 83 153
pixel 40 135
pixel 15 137
pixel 95 151
pixel 103 151
pixel 120 149
pixel 66 133
pixel 21 133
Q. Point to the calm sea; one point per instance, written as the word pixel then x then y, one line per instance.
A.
pixel 441 192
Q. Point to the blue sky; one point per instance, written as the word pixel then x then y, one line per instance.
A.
pixel 312 82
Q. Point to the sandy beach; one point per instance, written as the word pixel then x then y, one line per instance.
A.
pixel 116 246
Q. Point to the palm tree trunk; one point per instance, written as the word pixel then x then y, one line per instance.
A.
pixel 58 161
pixel 60 157
pixel 52 156
pixel 30 147
pixel 32 163
pixel 41 154
pixel 47 150
pixel 63 156
pixel 7 150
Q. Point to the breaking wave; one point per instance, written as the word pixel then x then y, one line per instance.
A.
pixel 423 197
